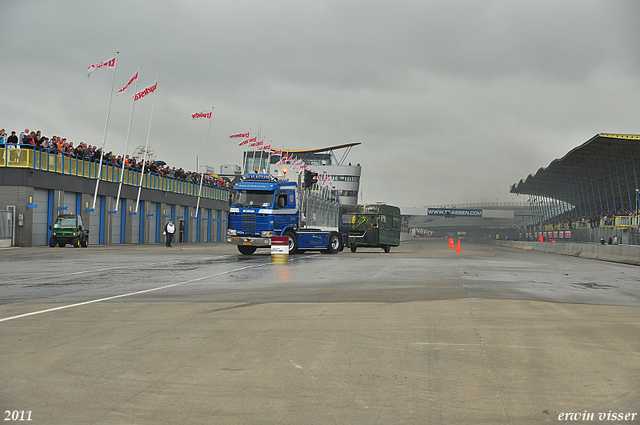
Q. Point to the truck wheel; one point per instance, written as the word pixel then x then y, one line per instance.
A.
pixel 353 247
pixel 334 243
pixel 293 241
pixel 386 248
pixel 246 250
pixel 76 243
pixel 52 242
pixel 84 242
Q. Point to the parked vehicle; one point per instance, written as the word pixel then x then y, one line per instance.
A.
pixel 370 226
pixel 68 229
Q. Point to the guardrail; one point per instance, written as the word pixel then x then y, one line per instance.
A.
pixel 26 156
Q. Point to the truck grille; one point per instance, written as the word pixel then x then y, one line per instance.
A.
pixel 249 223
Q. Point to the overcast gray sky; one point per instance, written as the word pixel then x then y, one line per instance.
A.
pixel 453 101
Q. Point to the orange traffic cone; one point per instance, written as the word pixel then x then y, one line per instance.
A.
pixel 458 247
pixel 450 243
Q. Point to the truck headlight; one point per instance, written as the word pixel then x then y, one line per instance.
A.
pixel 231 232
pixel 266 233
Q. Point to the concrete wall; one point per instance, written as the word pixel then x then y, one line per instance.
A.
pixel 628 254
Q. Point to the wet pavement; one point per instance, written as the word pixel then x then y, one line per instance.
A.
pixel 201 334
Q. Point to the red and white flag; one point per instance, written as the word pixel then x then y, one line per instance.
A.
pixel 253 143
pixel 135 77
pixel 239 135
pixel 244 142
pixel 266 148
pixel 278 152
pixel 144 92
pixel 109 63
pixel 204 115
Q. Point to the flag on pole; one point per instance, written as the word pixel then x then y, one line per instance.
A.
pixel 244 142
pixel 278 152
pixel 135 77
pixel 109 63
pixel 144 92
pixel 204 115
pixel 239 135
pixel 253 143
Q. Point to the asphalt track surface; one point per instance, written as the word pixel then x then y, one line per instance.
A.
pixel 198 334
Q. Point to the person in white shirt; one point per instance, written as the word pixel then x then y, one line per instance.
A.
pixel 169 229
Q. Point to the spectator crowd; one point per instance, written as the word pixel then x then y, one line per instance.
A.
pixel 60 145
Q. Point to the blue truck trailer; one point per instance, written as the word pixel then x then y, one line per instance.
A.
pixel 263 206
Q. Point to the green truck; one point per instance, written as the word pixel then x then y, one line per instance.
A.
pixel 68 229
pixel 370 226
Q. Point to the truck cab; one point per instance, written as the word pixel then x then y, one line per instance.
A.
pixel 262 207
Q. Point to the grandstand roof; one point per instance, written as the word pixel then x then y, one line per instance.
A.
pixel 590 155
pixel 330 148
pixel 602 168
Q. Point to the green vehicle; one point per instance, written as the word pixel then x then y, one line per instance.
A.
pixel 68 229
pixel 370 226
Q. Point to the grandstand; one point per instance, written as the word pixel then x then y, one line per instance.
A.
pixel 592 192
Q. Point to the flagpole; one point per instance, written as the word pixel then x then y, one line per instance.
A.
pixel 202 173
pixel 126 145
pixel 199 192
pixel 104 137
pixel 146 147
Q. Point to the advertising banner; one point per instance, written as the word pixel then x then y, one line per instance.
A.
pixel 454 212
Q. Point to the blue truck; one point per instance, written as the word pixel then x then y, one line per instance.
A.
pixel 262 206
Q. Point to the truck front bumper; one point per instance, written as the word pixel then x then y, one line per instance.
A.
pixel 258 242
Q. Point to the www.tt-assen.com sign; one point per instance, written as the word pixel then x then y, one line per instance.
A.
pixel 454 212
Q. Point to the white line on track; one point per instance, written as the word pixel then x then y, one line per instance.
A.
pixel 129 294
pixel 48 276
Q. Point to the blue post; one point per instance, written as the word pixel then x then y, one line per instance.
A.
pixel 102 218
pixel 619 185
pixel 50 215
pixel 613 192
pixel 186 224
pixel 586 189
pixel 198 225
pixel 123 217
pixel 141 229
pixel 598 185
pixel 626 177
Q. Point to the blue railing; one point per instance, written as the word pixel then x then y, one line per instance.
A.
pixel 26 156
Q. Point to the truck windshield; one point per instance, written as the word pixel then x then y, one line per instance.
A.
pixel 65 223
pixel 248 198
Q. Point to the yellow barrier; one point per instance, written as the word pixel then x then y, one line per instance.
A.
pixel 624 221
pixel 16 157
pixel 608 223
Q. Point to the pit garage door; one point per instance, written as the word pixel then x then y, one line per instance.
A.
pixel 95 217
pixel 152 220
pixel 40 217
